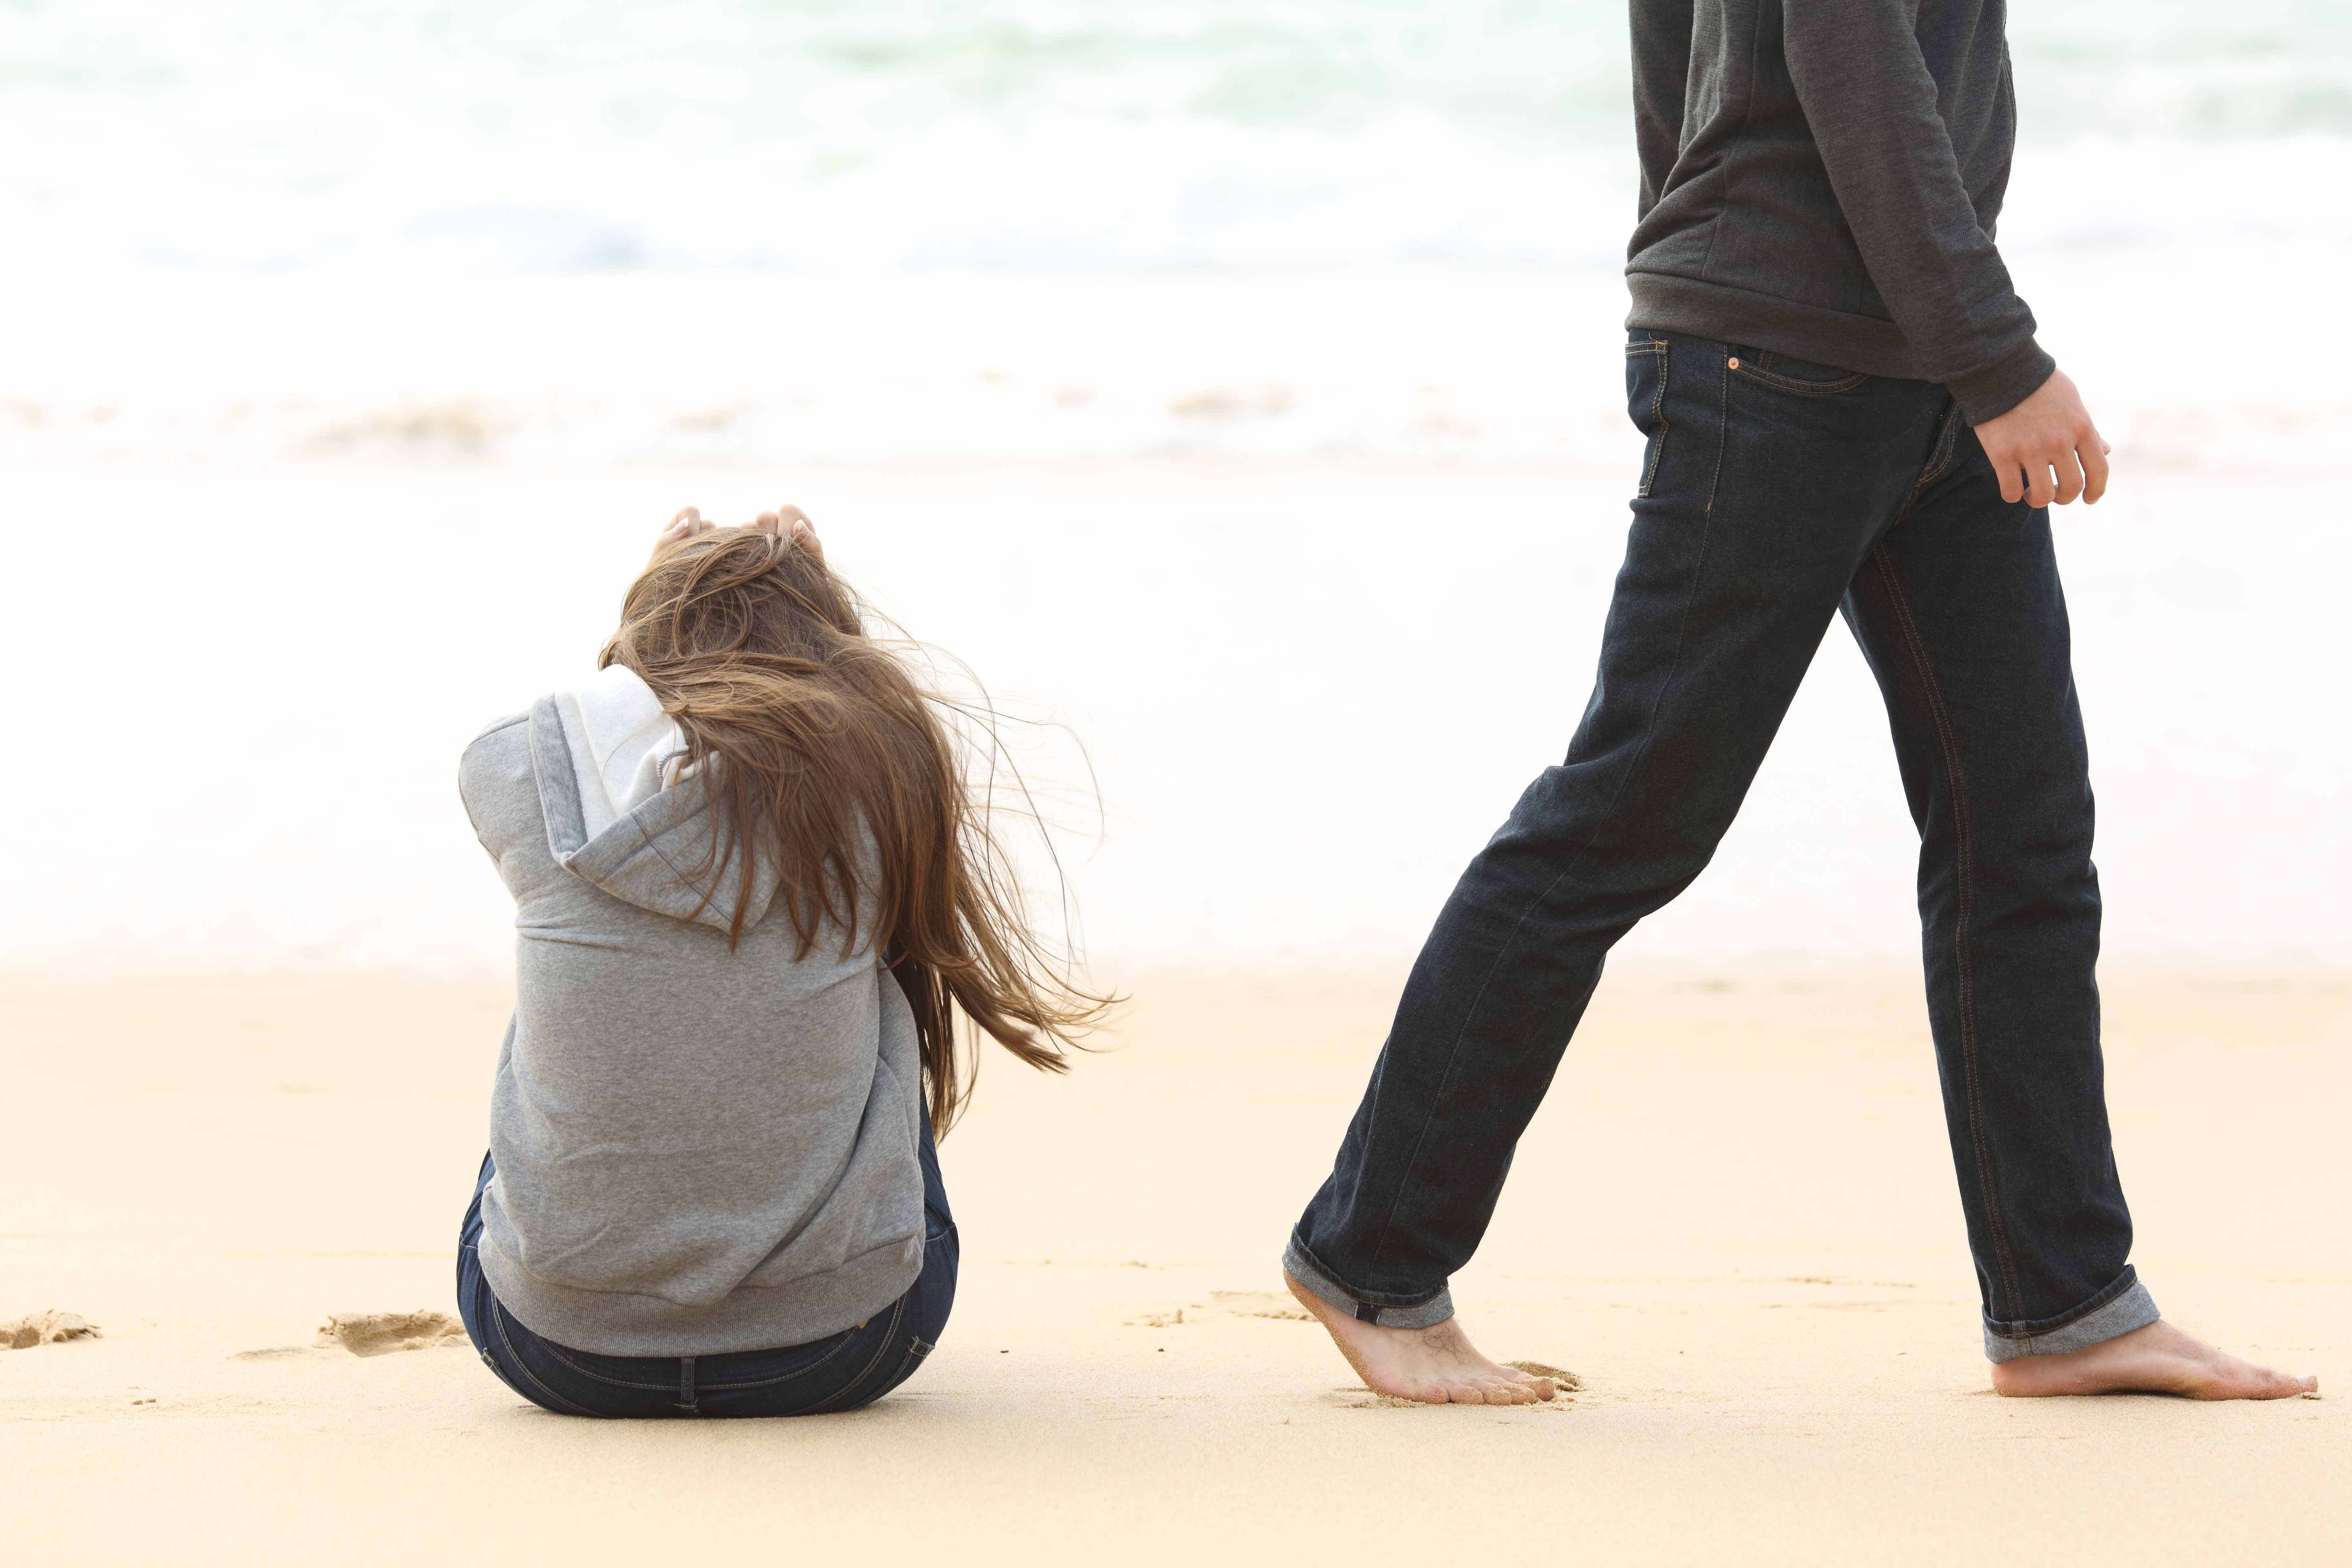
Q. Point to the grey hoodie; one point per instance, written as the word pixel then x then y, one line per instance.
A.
pixel 698 1152
pixel 1821 178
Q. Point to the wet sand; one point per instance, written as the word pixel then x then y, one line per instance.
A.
pixel 1734 1220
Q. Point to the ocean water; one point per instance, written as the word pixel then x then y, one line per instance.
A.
pixel 787 230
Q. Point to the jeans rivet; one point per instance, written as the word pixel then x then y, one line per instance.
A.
pixel 1735 362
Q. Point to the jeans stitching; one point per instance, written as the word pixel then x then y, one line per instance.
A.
pixel 1786 384
pixel 787 1377
pixel 1365 1298
pixel 897 1316
pixel 498 1321
pixel 482 1291
pixel 1969 1066
pixel 1722 439
pixel 557 1354
pixel 1470 1015
pixel 1942 459
pixel 1657 349
pixel 2101 1300
pixel 553 1354
pixel 1939 457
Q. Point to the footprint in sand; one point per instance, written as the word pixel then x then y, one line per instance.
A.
pixel 372 1333
pixel 1566 1381
pixel 1225 1304
pixel 46 1329
pixel 380 1334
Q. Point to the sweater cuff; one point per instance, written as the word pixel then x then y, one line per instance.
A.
pixel 1994 390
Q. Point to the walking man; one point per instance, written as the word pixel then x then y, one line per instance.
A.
pixel 1847 414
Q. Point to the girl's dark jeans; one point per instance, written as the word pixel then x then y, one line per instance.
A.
pixel 855 1367
pixel 1776 496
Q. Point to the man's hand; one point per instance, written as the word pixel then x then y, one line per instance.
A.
pixel 2050 431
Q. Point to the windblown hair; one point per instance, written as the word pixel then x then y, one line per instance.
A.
pixel 808 735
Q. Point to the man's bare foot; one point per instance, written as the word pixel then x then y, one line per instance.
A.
pixel 2158 1359
pixel 1437 1365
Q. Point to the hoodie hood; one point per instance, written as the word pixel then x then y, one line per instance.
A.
pixel 624 749
pixel 618 814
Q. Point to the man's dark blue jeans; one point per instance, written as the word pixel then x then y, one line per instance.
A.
pixel 1775 494
pixel 855 1367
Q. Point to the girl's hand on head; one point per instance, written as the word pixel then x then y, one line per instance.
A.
pixel 791 522
pixel 688 522
pixel 788 522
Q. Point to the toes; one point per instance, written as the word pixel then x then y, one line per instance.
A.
pixel 1524 1390
pixel 2275 1384
pixel 1503 1392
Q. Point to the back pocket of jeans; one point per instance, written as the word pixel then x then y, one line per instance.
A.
pixel 1645 403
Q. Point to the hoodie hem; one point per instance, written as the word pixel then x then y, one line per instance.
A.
pixel 749 1317
pixel 1667 303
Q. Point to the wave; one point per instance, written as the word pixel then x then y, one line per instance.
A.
pixel 762 229
pixel 912 134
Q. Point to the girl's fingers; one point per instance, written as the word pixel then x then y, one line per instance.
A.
pixel 786 522
pixel 800 530
pixel 789 522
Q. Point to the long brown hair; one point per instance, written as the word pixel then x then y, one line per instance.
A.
pixel 807 734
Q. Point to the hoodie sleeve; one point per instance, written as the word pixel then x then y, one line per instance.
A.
pixel 1870 101
pixel 1661 47
pixel 488 762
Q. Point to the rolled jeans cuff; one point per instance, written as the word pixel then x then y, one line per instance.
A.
pixel 1424 1313
pixel 2132 1307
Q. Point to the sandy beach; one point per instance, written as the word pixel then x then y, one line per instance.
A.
pixel 1733 1221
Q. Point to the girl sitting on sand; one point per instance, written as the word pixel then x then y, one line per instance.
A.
pixel 750 890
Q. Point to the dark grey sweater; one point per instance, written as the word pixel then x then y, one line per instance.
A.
pixel 1821 178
